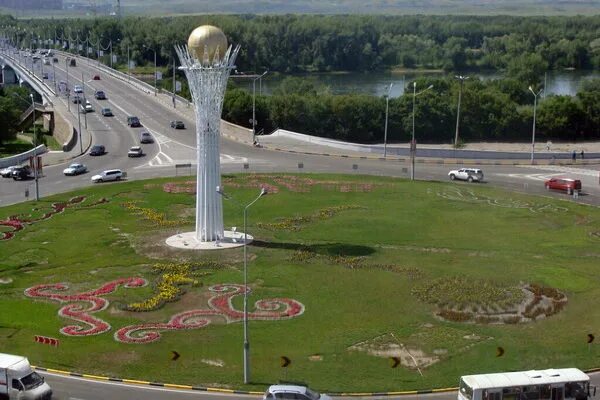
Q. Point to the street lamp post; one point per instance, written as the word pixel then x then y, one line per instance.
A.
pixel 263 192
pixel 151 49
pixel 462 80
pixel 254 104
pixel 387 107
pixel 35 158
pixel 535 96
pixel 413 147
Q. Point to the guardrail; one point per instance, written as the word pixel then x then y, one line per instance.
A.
pixel 20 158
pixel 38 84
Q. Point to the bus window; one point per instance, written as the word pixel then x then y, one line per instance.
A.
pixel 545 392
pixel 557 393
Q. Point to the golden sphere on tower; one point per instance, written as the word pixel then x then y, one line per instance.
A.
pixel 209 37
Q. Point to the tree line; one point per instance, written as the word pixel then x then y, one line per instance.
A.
pixel 301 43
pixel 497 110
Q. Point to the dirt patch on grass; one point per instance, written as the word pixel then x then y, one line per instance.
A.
pixel 121 357
pixel 5 281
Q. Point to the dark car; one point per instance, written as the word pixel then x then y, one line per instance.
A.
pixel 570 185
pixel 96 77
pixel 177 124
pixel 134 122
pixel 76 99
pixel 100 95
pixel 22 172
pixel 146 137
pixel 72 62
pixel 55 59
pixel 107 112
pixel 97 150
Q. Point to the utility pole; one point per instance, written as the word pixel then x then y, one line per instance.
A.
pixel 462 80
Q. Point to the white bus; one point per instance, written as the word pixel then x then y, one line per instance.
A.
pixel 549 384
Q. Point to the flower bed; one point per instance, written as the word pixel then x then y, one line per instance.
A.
pixel 18 222
pixel 220 305
pixel 158 219
pixel 79 312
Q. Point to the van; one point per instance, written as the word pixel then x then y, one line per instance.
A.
pixel 19 382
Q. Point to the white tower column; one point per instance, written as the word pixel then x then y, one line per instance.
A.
pixel 207 67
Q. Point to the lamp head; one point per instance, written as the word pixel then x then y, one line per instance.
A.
pixel 263 192
pixel 430 87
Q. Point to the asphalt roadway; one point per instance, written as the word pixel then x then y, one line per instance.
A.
pixel 177 147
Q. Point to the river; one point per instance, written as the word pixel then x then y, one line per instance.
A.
pixel 377 83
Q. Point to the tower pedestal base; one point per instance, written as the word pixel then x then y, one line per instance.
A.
pixel 187 240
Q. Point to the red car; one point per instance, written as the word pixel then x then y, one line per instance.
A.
pixel 96 77
pixel 567 184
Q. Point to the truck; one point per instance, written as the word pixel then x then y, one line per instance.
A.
pixel 18 381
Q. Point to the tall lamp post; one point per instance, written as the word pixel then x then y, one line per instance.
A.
pixel 462 81
pixel 150 48
pixel 535 96
pixel 254 105
pixel 387 107
pixel 35 159
pixel 413 146
pixel 263 192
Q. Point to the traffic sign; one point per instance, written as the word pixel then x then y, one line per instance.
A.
pixel 590 338
pixel 176 355
pixel 394 361
pixel 285 362
pixel 499 352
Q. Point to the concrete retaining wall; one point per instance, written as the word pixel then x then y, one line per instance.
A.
pixel 23 157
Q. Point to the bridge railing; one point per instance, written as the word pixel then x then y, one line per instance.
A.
pixel 38 84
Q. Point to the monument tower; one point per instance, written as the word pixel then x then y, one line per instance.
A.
pixel 207 61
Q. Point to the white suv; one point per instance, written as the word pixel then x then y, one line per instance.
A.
pixel 108 175
pixel 293 392
pixel 467 174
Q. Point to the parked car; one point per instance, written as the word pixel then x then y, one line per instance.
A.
pixel 97 150
pixel 100 95
pixel 7 172
pixel 570 185
pixel 77 89
pixel 134 122
pixel 135 151
pixel 177 124
pixel 107 112
pixel 146 137
pixel 108 175
pixel 467 174
pixel 22 172
pixel 293 391
pixel 96 77
pixel 75 169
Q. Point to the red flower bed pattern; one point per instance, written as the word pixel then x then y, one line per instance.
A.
pixel 219 306
pixel 18 222
pixel 78 311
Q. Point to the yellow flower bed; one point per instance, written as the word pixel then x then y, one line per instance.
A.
pixel 158 219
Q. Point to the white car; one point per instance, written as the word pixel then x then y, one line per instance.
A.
pixel 7 172
pixel 77 89
pixel 296 392
pixel 75 169
pixel 135 151
pixel 108 175
pixel 87 107
pixel 467 174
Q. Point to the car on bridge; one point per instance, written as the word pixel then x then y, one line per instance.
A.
pixel 467 174
pixel 7 172
pixel 177 124
pixel 55 59
pixel 133 122
pixel 76 99
pixel 135 151
pixel 566 184
pixel 77 89
pixel 87 107
pixel 96 77
pixel 107 112
pixel 75 169
pixel 108 175
pixel 146 137
pixel 100 95
pixel 97 150
pixel 22 172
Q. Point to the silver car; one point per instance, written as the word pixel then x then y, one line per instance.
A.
pixel 467 174
pixel 292 391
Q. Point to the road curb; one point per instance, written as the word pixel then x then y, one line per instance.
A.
pixel 145 383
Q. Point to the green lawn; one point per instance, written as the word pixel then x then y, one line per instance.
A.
pixel 372 260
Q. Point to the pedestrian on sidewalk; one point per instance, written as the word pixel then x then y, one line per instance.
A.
pixel 574 156
pixel 582 154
